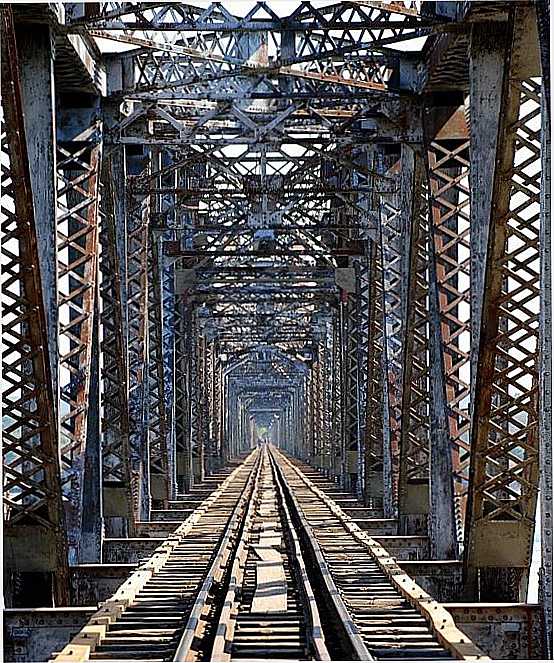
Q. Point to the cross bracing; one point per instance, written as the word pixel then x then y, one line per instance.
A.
pixel 330 219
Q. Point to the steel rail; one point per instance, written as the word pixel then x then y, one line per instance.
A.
pixel 439 620
pixel 311 611
pixel 195 627
pixel 358 648
pixel 95 631
pixel 228 619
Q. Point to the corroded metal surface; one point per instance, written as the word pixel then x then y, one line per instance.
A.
pixel 325 227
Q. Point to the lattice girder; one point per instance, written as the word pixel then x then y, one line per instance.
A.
pixel 116 455
pixel 33 510
pixel 138 210
pixel 78 169
pixel 448 173
pixel 413 499
pixel 504 434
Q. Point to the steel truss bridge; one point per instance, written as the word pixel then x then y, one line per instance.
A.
pixel 320 225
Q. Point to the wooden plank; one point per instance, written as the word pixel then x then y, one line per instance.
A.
pixel 270 540
pixel 270 596
pixel 267 554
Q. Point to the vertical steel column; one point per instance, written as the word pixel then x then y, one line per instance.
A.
pixel 545 337
pixel 447 153
pixel 211 444
pixel 325 403
pixel 337 456
pixel 308 449
pixel 117 498
pixel 36 71
pixel 319 405
pixel 34 530
pixel 505 222
pixel 225 426
pixel 138 206
pixel 413 498
pixel 362 339
pixel 159 433
pixel 79 149
pixel 305 440
pixel 374 410
pixel 350 389
pixel 157 413
pixel 168 353
pixel 376 442
pixel 198 420
pixel 169 179
pixel 314 400
pixel 183 397
pixel 219 408
pixel 92 529
pixel 390 220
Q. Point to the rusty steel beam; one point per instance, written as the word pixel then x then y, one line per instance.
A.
pixel 79 149
pixel 34 522
pixel 413 484
pixel 505 221
pixel 117 499
pixel 38 94
pixel 447 158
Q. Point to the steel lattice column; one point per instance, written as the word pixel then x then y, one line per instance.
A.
pixel 350 391
pixel 545 340
pixel 505 222
pixel 318 406
pixel 377 458
pixel 159 415
pixel 170 177
pixel 165 178
pixel 390 219
pixel 363 305
pixel 447 153
pixel 374 428
pixel 117 498
pixel 219 407
pixel 158 433
pixel 337 448
pixel 34 529
pixel 185 404
pixel 413 498
pixel 210 401
pixel 199 413
pixel 138 206
pixel 308 446
pixel 183 391
pixel 324 385
pixel 78 166
pixel 168 351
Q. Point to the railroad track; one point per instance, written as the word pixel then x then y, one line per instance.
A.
pixel 269 610
pixel 395 618
pixel 269 568
pixel 145 618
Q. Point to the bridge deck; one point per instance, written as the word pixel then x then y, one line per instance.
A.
pixel 269 566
